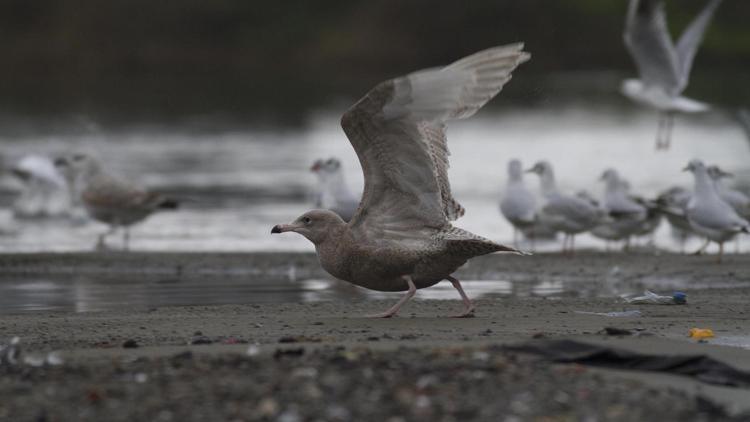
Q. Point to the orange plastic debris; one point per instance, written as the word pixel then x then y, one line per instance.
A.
pixel 699 333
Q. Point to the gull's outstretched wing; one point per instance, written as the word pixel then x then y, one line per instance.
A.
pixel 398 132
pixel 648 41
pixel 687 46
pixel 743 115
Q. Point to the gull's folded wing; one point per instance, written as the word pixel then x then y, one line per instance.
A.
pixel 398 132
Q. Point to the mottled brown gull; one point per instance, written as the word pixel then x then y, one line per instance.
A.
pixel 401 238
pixel 108 199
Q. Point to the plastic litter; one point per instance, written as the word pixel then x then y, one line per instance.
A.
pixel 620 314
pixel 701 333
pixel 651 298
pixel 10 354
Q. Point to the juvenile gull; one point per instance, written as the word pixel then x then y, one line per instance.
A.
pixel 110 200
pixel 569 214
pixel 708 214
pixel 332 191
pixel 401 238
pixel 518 206
pixel 663 67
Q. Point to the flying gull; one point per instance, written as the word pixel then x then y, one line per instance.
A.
pixel 401 237
pixel 332 191
pixel 708 214
pixel 110 200
pixel 663 67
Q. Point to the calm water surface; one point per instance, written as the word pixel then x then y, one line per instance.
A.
pixel 237 185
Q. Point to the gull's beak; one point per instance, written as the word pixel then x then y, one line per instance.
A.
pixel 281 228
pixel 315 167
pixel 59 162
pixel 723 173
pixel 531 170
pixel 688 168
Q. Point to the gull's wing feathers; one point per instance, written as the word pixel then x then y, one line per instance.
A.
pixel 109 192
pixel 398 132
pixel 648 41
pixel 687 46
pixel 571 208
pixel 743 115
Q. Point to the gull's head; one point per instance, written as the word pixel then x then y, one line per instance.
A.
pixel 315 167
pixel 329 166
pixel 610 175
pixel 541 168
pixel 515 169
pixel 695 166
pixel 632 88
pixel 315 225
pixel 717 173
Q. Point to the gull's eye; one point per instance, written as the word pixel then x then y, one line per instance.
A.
pixel 307 220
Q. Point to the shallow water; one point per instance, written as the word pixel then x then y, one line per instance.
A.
pixel 84 293
pixel 237 185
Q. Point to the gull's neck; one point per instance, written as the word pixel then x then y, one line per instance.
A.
pixel 335 249
pixel 705 188
pixel 515 178
pixel 547 180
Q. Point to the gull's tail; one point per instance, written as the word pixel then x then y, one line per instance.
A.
pixel 469 244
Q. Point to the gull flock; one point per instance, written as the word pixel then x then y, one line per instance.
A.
pixel 399 235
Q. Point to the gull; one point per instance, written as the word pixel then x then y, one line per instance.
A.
pixel 743 115
pixel 518 206
pixel 708 214
pixel 401 237
pixel 110 200
pixel 45 191
pixel 332 192
pixel 569 214
pixel 663 67
pixel 672 203
pixel 738 200
pixel 626 215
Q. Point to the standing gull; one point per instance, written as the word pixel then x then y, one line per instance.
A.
pixel 401 238
pixel 626 215
pixel 708 214
pixel 569 214
pixel 332 191
pixel 738 200
pixel 518 205
pixel 110 200
pixel 663 67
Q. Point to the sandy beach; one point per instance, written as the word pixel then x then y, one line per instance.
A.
pixel 324 361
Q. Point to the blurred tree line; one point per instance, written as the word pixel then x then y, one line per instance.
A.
pixel 146 60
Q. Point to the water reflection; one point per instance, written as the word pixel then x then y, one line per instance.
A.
pixel 97 293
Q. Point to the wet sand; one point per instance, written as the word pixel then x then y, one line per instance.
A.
pixel 325 361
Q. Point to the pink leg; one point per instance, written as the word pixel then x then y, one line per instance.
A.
pixel 394 309
pixel 721 252
pixel 469 307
